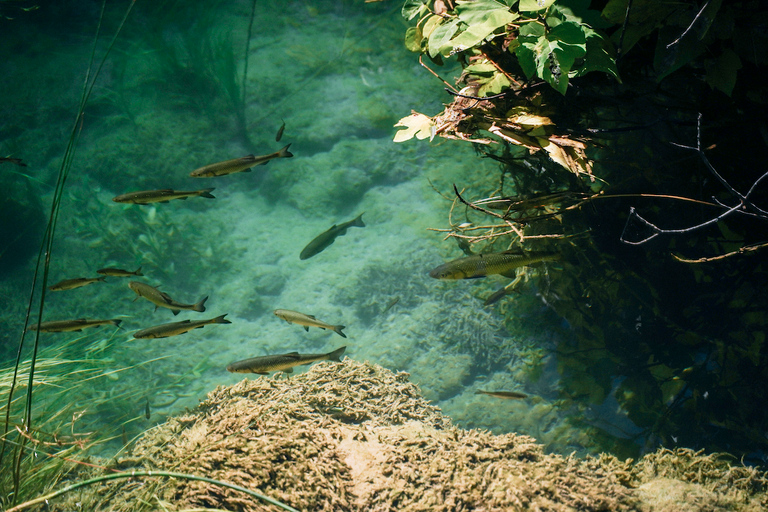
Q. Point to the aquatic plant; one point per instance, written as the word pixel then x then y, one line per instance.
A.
pixel 355 436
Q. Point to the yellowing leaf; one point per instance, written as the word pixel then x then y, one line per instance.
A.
pixel 416 125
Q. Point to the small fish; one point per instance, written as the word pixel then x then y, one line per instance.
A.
pixel 162 299
pixel 16 161
pixel 146 408
pixel 482 265
pixel 323 240
pixel 71 284
pixel 282 362
pixel 243 164
pixel 161 196
pixel 176 328
pixel 503 394
pixel 72 325
pixel 118 272
pixel 391 304
pixel 280 132
pixel 308 321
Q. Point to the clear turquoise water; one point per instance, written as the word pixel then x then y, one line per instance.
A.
pixel 340 78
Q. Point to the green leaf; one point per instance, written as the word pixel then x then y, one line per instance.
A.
pixel 486 13
pixel 483 18
pixel 411 8
pixel 534 5
pixel 554 53
pixel 721 72
pixel 413 39
pixel 481 68
pixel 439 37
pixel 599 56
pixel 495 85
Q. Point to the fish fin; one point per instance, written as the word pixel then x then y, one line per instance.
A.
pixel 183 198
pixel 175 311
pixel 312 317
pixel 262 373
pixel 102 278
pixel 336 354
pixel 247 170
pixel 358 222
pixel 284 153
pixel 512 274
pixel 221 319
pixel 200 306
pixel 306 328
pixel 185 321
pixel 165 201
pixel 337 329
pixel 288 370
pixel 116 322
pixel 207 193
pixel 292 354
pixel 138 272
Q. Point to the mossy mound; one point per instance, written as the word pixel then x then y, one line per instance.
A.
pixel 354 436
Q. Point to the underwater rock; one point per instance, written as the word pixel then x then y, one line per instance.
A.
pixel 355 436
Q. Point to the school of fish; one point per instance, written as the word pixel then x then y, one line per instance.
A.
pixel 472 266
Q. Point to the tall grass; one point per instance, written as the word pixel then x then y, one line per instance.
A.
pixel 16 459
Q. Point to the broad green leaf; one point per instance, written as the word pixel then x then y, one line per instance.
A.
pixel 721 72
pixel 416 125
pixel 481 68
pixel 599 56
pixel 495 85
pixel 413 39
pixel 483 18
pixel 430 24
pixel 554 53
pixel 439 37
pixel 534 5
pixel 526 55
pixel 579 12
pixel 488 14
pixel 412 8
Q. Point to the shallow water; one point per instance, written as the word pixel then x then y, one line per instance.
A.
pixel 168 101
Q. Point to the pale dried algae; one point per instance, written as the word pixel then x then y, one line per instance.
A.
pixel 354 436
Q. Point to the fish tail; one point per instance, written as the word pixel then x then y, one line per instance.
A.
pixel 138 272
pixel 358 222
pixel 116 322
pixel 284 153
pixel 337 329
pixel 207 193
pixel 103 278
pixel 336 354
pixel 200 306
pixel 221 319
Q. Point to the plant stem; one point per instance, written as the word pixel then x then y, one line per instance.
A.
pixel 132 474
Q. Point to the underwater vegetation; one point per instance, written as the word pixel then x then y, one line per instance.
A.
pixel 618 137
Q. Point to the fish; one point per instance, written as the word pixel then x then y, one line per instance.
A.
pixel 243 164
pixel 71 284
pixel 162 299
pixel 308 321
pixel 503 394
pixel 176 328
pixel 146 408
pixel 16 161
pixel 481 265
pixel 280 132
pixel 282 362
pixel 161 196
pixel 118 272
pixel 72 325
pixel 323 240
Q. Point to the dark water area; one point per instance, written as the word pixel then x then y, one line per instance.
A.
pixel 619 347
